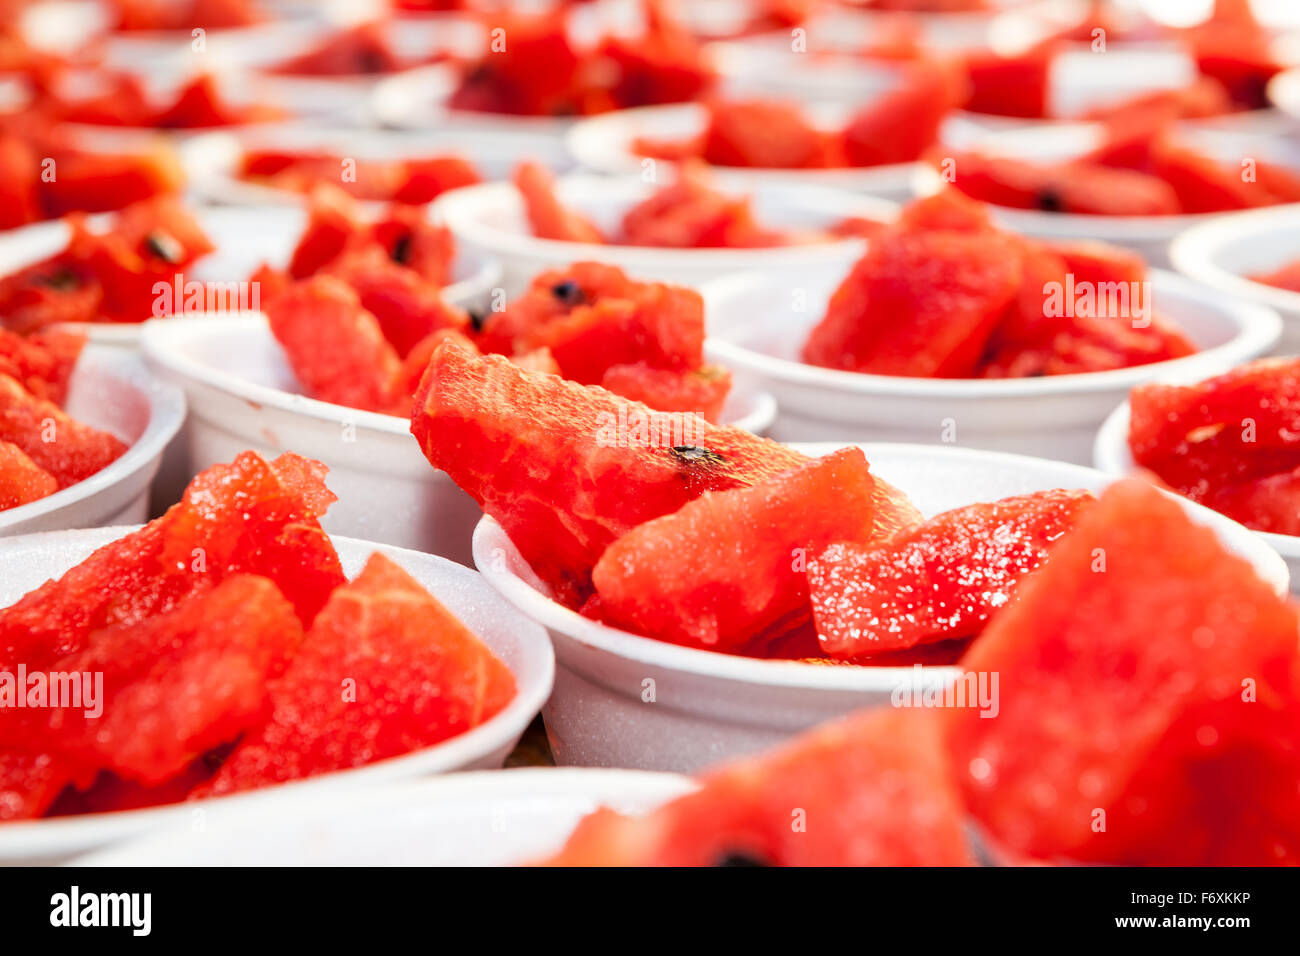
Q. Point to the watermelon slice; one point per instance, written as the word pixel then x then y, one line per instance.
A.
pixel 42 363
pixel 871 790
pixel 901 125
pixel 727 566
pixel 384 670
pixel 703 390
pixel 56 443
pixel 941 581
pixel 567 469
pixel 360 50
pixel 918 303
pixel 1122 664
pixel 548 218
pixel 22 481
pixel 1076 187
pixel 333 224
pixel 762 134
pixel 551 295
pixel 691 214
pixel 1204 184
pixel 1010 85
pixel 29 783
pixel 334 345
pixel 177 684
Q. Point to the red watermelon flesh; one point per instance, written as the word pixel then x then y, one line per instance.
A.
pixel 901 125
pixel 920 304
pixel 100 182
pixel 703 390
pixel 356 51
pixel 762 134
pixel 948 210
pixel 1099 262
pixel 566 469
pixel 43 362
pixel 1234 428
pixel 20 185
pixel 411 239
pixel 726 566
pixel 333 223
pixel 22 481
pixel 1014 85
pixel 1204 184
pixel 1285 277
pixel 691 214
pixel 939 582
pixel 245 517
pixel 334 345
pixel 29 783
pixel 1139 620
pixel 1270 504
pixel 177 684
pixel 1077 187
pixel 62 446
pixel 384 670
pixel 874 789
pixel 547 216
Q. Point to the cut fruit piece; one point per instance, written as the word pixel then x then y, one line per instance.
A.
pixel 1010 85
pixel 1112 659
pixel 903 123
pixel 1204 184
pixel 919 304
pixel 941 581
pixel 335 347
pixel 728 565
pixel 67 449
pixel 567 469
pixel 29 783
pixel 1270 504
pixel 872 790
pixel 245 517
pixel 691 214
pixel 384 670
pixel 176 684
pixel 547 216
pixel 22 481
pixel 758 133
pixel 1078 187
pixel 333 223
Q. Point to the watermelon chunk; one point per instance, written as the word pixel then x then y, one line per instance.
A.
pixel 567 469
pixel 1122 662
pixel 726 566
pixel 1010 85
pixel 941 581
pixel 29 783
pixel 918 303
pixel 691 214
pixel 703 390
pixel 762 134
pixel 20 185
pixel 872 790
pixel 1076 187
pixel 548 218
pixel 22 481
pixel 334 345
pixel 333 224
pixel 551 295
pixel 1204 184
pixel 901 125
pixel 245 517
pixel 56 443
pixel 360 50
pixel 384 670
pixel 42 363
pixel 177 684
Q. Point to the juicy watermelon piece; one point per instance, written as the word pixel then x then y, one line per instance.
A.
pixel 22 481
pixel 567 469
pixel 1139 621
pixel 1100 262
pixel 335 347
pixel 42 363
pixel 665 64
pixel 246 517
pixel 919 304
pixel 901 125
pixel 762 134
pixel 548 218
pixel 333 223
pixel 533 75
pixel 412 240
pixel 1014 85
pixel 361 50
pixel 551 295
pixel 177 684
pixel 407 306
pixel 690 214
pixel 101 182
pixel 384 670
pixel 200 105
pixel 1232 429
pixel 726 566
pixel 1270 504
pixel 941 581
pixel 1078 187
pixel 948 210
pixel 29 783
pixel 872 790
pixel 20 184
pixel 60 445
pixel 428 178
pixel 1204 184
pixel 703 390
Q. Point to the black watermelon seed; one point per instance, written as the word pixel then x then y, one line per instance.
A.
pixel 568 292
pixel 740 859
pixel 401 252
pixel 692 454
pixel 163 246
pixel 477 319
pixel 1049 200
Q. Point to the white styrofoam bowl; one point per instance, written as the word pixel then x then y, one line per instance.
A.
pixel 29 561
pixel 115 393
pixel 498 818
pixel 244 238
pixel 489 221
pixel 1221 254
pixel 757 325
pixel 1149 235
pixel 709 707
pixel 1111 454
pixel 212 161
pixel 242 394
pixel 605 144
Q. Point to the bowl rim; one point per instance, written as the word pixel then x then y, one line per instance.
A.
pixel 626 646
pixel 461 209
pixel 1258 329
pixel 167 412
pixel 159 338
pixel 1192 252
pixel 1110 454
pixel 52 836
